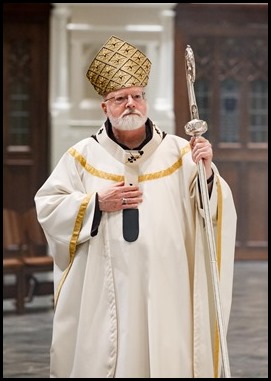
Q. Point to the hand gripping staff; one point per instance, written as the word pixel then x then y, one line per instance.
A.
pixel 196 127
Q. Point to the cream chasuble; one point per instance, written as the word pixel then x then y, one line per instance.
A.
pixel 141 309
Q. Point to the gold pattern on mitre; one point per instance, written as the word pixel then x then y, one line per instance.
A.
pixel 118 65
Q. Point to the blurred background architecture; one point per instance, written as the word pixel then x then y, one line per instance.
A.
pixel 49 104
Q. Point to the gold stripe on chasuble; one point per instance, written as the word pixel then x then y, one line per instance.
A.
pixel 218 253
pixel 160 174
pixel 111 176
pixel 73 241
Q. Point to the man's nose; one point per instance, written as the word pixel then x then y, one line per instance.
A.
pixel 130 101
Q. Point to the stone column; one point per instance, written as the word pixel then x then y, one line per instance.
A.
pixel 60 63
pixel 164 100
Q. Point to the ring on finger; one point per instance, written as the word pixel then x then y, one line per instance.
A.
pixel 124 201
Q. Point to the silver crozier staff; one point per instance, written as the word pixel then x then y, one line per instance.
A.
pixel 196 127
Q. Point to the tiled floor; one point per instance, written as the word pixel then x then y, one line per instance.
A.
pixel 27 338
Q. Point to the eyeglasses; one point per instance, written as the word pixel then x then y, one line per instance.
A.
pixel 121 99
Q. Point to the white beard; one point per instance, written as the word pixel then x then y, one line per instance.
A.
pixel 128 122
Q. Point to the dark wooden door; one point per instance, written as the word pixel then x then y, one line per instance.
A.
pixel 229 42
pixel 25 102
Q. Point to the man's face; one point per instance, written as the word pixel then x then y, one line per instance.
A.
pixel 126 108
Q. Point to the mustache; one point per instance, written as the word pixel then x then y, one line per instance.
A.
pixel 131 112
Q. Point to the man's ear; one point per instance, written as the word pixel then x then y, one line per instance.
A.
pixel 103 105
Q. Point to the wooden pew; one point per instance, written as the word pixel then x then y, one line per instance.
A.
pixel 25 257
pixel 13 247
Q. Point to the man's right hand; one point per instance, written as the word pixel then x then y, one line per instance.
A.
pixel 119 196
